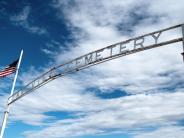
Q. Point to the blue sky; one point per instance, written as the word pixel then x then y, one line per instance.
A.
pixel 138 96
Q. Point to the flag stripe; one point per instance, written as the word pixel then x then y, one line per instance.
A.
pixel 3 75
pixel 7 71
pixel 6 74
pixel 11 68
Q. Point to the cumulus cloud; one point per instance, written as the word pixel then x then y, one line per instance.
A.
pixel 123 114
pixel 152 78
pixel 169 132
pixel 98 35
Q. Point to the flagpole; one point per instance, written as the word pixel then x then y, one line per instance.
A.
pixel 6 112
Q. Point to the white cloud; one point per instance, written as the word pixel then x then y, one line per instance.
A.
pixel 130 70
pixel 130 113
pixel 48 52
pixel 166 132
pixel 22 20
pixel 146 72
pixel 23 16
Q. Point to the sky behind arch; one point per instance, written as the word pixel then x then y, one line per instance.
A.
pixel 86 104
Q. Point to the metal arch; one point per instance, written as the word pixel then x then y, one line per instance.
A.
pixel 183 40
pixel 94 58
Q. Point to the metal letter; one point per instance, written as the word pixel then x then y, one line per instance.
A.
pixel 156 37
pixel 122 48
pixel 51 73
pixel 111 49
pixel 88 60
pixel 139 43
pixel 69 66
pixel 77 61
pixel 38 82
pixel 44 77
pixel 33 84
pixel 98 55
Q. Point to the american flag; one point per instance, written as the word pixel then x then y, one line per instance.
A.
pixel 9 69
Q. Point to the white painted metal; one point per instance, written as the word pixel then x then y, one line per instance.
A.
pixel 5 118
